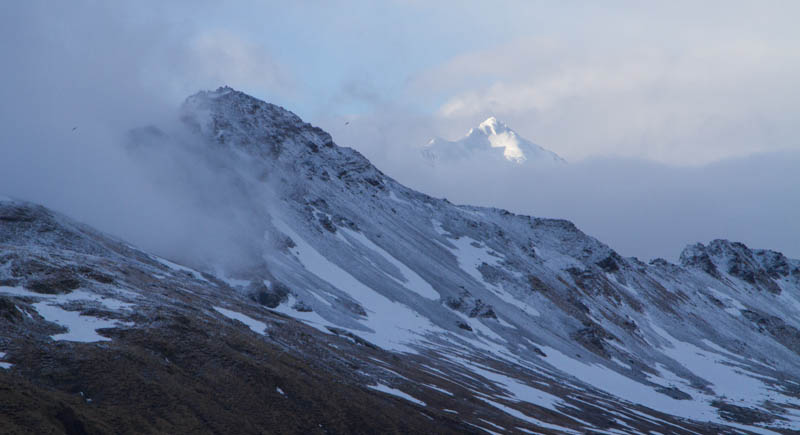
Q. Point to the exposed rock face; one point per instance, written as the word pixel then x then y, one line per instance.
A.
pixel 696 256
pixel 471 306
pixel 760 268
pixel 593 337
pixel 271 296
pixel 786 334
pixel 368 307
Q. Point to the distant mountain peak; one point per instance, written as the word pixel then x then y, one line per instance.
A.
pixel 491 126
pixel 492 137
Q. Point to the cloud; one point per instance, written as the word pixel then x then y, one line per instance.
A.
pixel 674 82
pixel 220 56
pixel 699 105
pixel 79 77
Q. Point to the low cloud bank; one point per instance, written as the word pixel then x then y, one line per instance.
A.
pixel 640 208
pixel 80 77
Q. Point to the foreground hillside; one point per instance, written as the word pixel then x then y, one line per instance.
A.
pixel 366 307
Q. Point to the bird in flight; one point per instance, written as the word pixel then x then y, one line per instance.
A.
pixel 74 128
pixel 347 123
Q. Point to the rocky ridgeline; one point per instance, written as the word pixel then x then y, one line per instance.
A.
pixel 761 268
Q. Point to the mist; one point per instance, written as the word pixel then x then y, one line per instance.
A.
pixel 80 78
pixel 640 208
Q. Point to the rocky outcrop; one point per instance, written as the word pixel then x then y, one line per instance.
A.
pixel 471 306
pixel 759 268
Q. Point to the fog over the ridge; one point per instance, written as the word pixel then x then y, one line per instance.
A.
pixel 83 78
pixel 104 69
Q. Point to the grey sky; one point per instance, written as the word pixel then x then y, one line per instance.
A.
pixel 679 88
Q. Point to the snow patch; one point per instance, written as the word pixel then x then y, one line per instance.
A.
pixel 441 390
pixel 77 295
pixel 395 392
pixel 81 328
pixel 3 364
pixel 496 426
pixel 256 326
pixel 471 254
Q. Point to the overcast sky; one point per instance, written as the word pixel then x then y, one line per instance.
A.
pixel 693 91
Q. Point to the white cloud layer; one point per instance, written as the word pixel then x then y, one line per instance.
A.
pixel 681 105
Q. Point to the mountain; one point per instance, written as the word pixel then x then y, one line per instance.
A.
pixel 491 141
pixel 367 307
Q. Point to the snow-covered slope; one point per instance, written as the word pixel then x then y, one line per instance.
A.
pixel 514 323
pixel 419 275
pixel 491 141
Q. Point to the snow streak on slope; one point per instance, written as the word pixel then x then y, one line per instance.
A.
pixel 410 280
pixel 394 325
pixel 3 364
pixel 256 326
pixel 395 392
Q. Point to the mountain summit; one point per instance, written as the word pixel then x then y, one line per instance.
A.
pixel 492 139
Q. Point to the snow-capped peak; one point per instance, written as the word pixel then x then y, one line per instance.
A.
pixel 493 137
pixel 493 127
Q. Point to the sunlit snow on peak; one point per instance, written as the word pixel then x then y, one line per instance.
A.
pixel 491 136
pixel 492 126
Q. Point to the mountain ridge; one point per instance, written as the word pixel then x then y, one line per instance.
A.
pixel 516 323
